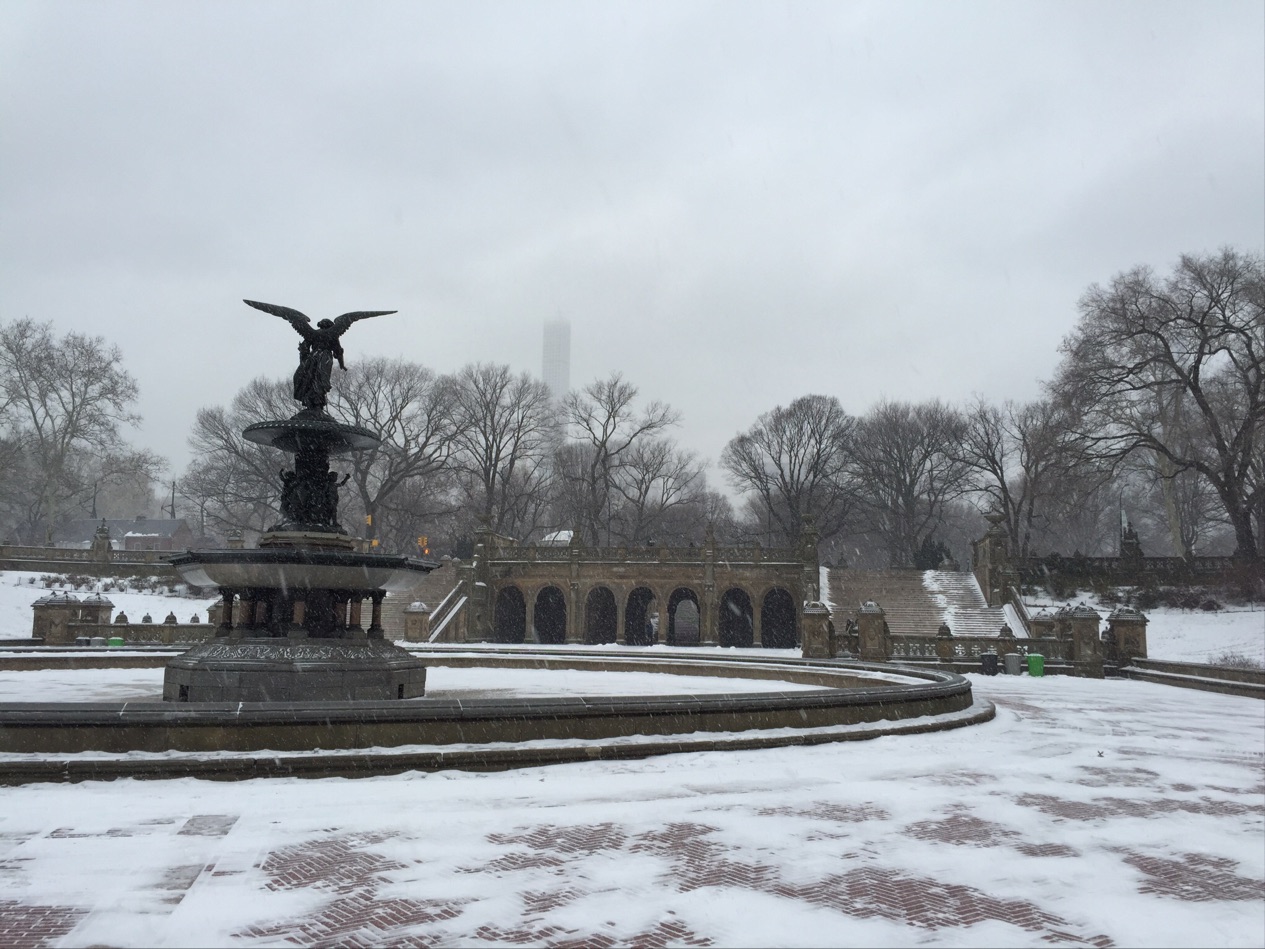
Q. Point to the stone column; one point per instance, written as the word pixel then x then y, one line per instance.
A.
pixel 621 606
pixel 816 626
pixel 575 613
pixel 1086 644
pixel 757 623
pixel 375 616
pixel 1127 627
pixel 875 640
pixel 226 611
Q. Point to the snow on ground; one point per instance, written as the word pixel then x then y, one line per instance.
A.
pixel 17 594
pixel 1087 813
pixel 442 682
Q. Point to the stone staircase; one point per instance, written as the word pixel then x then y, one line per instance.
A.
pixel 916 601
pixel 431 590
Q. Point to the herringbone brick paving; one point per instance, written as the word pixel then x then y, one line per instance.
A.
pixel 645 859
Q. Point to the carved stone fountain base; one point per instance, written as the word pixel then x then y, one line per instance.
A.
pixel 271 669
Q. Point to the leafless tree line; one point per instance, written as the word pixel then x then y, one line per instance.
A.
pixel 1157 410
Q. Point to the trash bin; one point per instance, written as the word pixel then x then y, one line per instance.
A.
pixel 1013 664
pixel 1036 664
pixel 988 663
pixel 83 640
pixel 98 640
pixel 116 641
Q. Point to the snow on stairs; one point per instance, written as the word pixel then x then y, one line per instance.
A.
pixel 917 601
pixel 431 590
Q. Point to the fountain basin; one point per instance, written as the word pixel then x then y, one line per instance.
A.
pixel 292 568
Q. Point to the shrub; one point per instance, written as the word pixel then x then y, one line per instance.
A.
pixel 1235 660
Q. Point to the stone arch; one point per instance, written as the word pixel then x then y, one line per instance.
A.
pixel 637 628
pixel 549 616
pixel 509 622
pixel 736 619
pixel 601 617
pixel 778 618
pixel 684 627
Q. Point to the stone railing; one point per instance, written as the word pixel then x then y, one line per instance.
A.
pixel 62 560
pixel 970 648
pixel 551 554
pixel 1035 570
pixel 165 634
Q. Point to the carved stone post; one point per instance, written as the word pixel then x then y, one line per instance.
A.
pixel 226 611
pixel 874 638
pixel 816 626
pixel 1086 644
pixel 944 643
pixel 1127 627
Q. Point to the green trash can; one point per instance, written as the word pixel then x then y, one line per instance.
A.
pixel 115 641
pixel 1036 664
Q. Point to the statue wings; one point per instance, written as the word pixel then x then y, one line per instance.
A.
pixel 343 323
pixel 303 323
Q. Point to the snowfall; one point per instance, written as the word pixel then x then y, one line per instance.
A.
pixel 1087 812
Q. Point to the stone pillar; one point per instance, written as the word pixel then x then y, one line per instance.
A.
pixel 226 611
pixel 1043 626
pixel 815 622
pixel 875 640
pixel 53 615
pixel 417 622
pixel 621 606
pixel 1086 644
pixel 1126 627
pixel 101 544
pixel 757 631
pixel 298 616
pixel 944 643
pixel 1005 640
pixel 95 609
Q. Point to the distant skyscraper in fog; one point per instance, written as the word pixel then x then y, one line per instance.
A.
pixel 555 366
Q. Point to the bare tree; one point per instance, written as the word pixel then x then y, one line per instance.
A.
pixel 657 484
pixel 906 460
pixel 412 410
pixel 607 424
pixel 1174 367
pixel 235 484
pixel 1024 460
pixel 504 432
pixel 62 398
pixel 794 460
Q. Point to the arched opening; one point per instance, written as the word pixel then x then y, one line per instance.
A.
pixel 600 616
pixel 683 618
pixel 639 628
pixel 777 620
pixel 549 618
pixel 737 619
pixel 509 617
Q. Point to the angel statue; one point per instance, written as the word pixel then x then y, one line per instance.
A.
pixel 317 351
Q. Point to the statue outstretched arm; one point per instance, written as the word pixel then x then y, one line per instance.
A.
pixel 300 321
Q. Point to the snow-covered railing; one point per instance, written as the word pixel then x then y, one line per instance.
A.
pixel 448 617
pixel 966 648
pixel 552 554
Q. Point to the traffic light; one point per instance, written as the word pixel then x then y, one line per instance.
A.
pixel 421 542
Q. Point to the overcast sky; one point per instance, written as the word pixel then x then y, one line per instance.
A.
pixel 733 204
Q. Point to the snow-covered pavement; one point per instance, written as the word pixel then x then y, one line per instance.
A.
pixel 1087 813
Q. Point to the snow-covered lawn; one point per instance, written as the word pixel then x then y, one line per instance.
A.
pixel 1087 813
pixel 17 594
